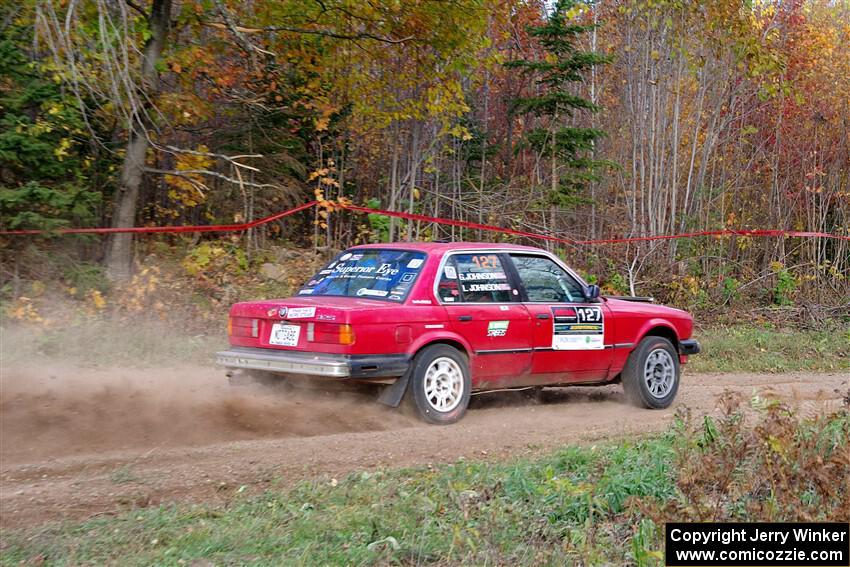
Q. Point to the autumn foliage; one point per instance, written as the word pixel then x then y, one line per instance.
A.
pixel 698 116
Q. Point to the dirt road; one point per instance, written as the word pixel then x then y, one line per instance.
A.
pixel 77 443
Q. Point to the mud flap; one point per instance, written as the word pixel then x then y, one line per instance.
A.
pixel 393 394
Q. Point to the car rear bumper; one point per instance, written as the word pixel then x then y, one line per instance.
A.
pixel 315 364
pixel 689 347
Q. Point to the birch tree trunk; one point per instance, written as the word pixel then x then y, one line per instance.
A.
pixel 119 248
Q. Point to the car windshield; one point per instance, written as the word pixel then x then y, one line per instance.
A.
pixel 369 273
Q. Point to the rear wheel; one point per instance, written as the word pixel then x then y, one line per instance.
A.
pixel 651 375
pixel 440 384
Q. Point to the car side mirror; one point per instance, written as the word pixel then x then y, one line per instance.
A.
pixel 592 292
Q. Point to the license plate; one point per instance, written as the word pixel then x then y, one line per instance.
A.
pixel 284 335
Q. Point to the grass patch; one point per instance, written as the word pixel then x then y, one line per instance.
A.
pixel 522 512
pixel 754 349
pixel 585 505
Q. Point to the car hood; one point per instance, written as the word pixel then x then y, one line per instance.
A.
pixel 645 309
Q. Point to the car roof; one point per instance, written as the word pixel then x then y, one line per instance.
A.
pixel 436 247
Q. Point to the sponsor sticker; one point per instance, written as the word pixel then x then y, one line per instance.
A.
pixel 483 276
pixel 325 317
pixel 301 312
pixel 422 301
pixel 387 270
pixel 305 292
pixel 450 272
pixel 344 257
pixel 487 287
pixel 407 277
pixel 372 292
pixel 435 326
pixel 578 328
pixel 395 297
pixel 503 308
pixel 415 263
pixel 497 328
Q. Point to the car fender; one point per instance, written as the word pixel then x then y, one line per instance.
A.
pixel 650 324
pixel 393 394
pixel 436 336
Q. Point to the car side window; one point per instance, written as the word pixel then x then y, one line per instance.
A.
pixel 547 282
pixel 474 278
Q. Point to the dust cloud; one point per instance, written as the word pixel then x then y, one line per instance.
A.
pixel 50 410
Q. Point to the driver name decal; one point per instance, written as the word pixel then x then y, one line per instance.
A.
pixel 578 328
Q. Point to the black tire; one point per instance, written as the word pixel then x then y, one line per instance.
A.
pixel 242 378
pixel 649 387
pixel 426 406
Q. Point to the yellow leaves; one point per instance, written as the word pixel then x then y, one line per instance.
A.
pixel 460 132
pixel 24 311
pixel 96 300
pixel 575 11
pixel 137 295
pixel 61 151
pixel 186 189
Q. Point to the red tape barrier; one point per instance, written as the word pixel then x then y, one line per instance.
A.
pixel 423 218
pixel 160 229
pixel 724 232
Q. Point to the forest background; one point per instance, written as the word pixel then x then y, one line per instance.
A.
pixel 578 120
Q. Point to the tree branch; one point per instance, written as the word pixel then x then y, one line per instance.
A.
pixel 186 174
pixel 243 42
pixel 137 8
pixel 325 33
pixel 227 158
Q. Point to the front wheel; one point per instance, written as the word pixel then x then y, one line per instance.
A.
pixel 651 375
pixel 440 385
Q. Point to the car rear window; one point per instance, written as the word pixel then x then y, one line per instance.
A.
pixel 371 274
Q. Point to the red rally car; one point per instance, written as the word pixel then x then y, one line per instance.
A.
pixel 439 321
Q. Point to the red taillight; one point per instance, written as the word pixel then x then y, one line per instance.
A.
pixel 330 333
pixel 243 327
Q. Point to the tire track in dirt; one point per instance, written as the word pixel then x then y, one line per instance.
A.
pixel 76 443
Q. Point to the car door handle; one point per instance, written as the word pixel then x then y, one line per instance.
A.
pixel 465 318
pixel 543 315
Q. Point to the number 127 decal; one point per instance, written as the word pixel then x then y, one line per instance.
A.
pixel 589 314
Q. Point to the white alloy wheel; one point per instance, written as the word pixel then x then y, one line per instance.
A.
pixel 659 373
pixel 443 384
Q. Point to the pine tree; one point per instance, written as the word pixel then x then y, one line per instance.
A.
pixel 564 65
